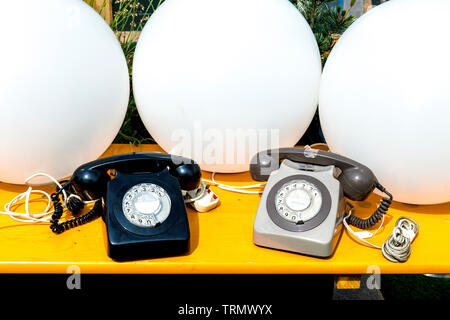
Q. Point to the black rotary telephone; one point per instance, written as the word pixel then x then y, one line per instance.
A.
pixel 145 214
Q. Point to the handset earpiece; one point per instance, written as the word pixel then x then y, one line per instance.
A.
pixel 188 175
pixel 90 184
pixel 357 182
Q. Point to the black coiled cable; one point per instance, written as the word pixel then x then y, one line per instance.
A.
pixel 376 216
pixel 59 228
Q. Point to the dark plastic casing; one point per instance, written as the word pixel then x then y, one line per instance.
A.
pixel 127 241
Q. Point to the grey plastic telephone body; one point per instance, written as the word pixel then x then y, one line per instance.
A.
pixel 326 177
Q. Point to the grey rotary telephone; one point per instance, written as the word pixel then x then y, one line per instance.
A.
pixel 302 207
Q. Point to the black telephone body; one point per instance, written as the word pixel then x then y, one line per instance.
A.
pixel 145 212
pixel 303 204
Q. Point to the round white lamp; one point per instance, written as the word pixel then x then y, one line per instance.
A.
pixel 64 88
pixel 385 98
pixel 218 81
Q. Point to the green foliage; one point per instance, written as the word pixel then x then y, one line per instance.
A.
pixel 326 22
pixel 414 287
pixel 129 18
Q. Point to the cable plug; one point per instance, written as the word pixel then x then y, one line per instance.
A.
pixel 75 204
pixel 364 234
pixel 204 202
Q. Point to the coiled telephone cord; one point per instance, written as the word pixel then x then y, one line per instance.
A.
pixel 397 248
pixel 59 228
pixel 376 216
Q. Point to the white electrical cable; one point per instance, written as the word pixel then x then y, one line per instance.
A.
pixel 194 195
pixel 397 248
pixel 28 217
pixel 239 189
pixel 355 234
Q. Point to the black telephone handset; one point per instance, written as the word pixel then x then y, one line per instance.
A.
pixel 90 179
pixel 145 211
pixel 357 180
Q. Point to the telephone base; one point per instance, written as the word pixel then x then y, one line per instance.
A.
pixel 316 235
pixel 301 246
pixel 148 250
pixel 131 241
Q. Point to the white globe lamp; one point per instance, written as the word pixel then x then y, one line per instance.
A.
pixel 64 87
pixel 218 81
pixel 385 98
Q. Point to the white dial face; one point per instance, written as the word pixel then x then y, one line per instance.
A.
pixel 146 205
pixel 298 201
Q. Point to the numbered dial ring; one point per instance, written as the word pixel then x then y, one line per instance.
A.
pixel 305 199
pixel 298 201
pixel 146 205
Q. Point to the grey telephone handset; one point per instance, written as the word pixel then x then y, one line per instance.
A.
pixel 302 207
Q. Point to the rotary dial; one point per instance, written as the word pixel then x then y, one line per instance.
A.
pixel 298 201
pixel 146 205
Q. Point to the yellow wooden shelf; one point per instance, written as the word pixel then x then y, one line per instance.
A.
pixel 221 241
